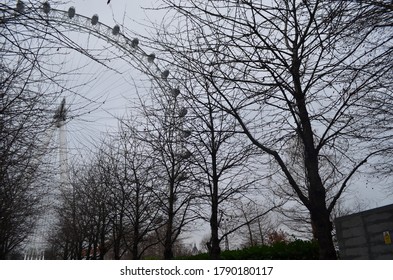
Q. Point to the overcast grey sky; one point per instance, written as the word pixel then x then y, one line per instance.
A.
pixel 133 15
pixel 127 12
pixel 102 85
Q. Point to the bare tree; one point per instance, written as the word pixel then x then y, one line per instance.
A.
pixel 293 69
pixel 164 132
pixel 112 207
pixel 256 230
pixel 133 194
pixel 68 237
pixel 223 163
pixel 32 80
pixel 26 114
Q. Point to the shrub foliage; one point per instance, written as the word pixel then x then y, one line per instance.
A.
pixel 295 250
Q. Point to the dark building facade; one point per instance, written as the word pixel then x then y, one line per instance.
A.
pixel 366 235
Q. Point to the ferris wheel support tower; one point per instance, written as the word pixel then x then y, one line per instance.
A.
pixel 60 120
pixel 38 242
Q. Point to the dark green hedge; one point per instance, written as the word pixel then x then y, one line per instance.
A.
pixel 296 250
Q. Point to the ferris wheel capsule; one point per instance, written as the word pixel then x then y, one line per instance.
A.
pixel 151 57
pixel 183 112
pixel 46 7
pixel 116 30
pixel 20 6
pixel 94 19
pixel 175 92
pixel 186 155
pixel 71 12
pixel 165 74
pixel 134 43
pixel 182 177
pixel 186 133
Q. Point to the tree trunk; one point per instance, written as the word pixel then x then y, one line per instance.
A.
pixel 320 216
pixel 102 246
pixel 322 230
pixel 134 250
pixel 214 249
pixel 168 252
pixel 116 246
pixel 168 243
pixel 260 232
pixel 136 238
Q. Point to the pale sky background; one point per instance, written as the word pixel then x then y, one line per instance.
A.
pixel 112 93
pixel 135 14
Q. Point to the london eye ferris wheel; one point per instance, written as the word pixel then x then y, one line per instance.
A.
pixel 94 69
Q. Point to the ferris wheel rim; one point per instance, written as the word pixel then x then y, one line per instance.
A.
pixel 147 62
